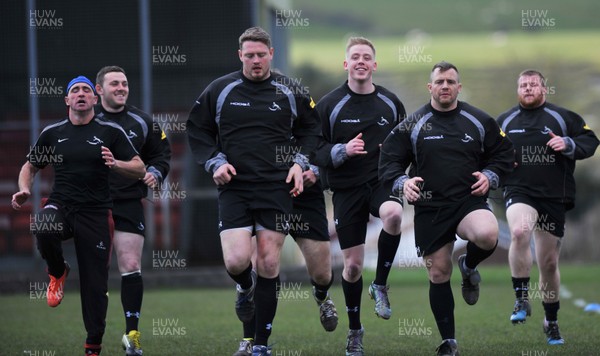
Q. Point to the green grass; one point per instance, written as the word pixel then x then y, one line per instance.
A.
pixel 473 51
pixel 202 321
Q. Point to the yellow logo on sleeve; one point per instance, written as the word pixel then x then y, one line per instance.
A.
pixel 162 135
pixel 502 133
pixel 312 103
pixel 586 127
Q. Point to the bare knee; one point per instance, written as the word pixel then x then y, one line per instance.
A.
pixel 439 274
pixel 352 271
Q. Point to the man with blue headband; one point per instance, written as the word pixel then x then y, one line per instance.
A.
pixel 82 151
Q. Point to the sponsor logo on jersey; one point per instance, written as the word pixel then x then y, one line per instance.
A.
pixel 131 134
pixel 62 139
pixel 239 103
pixel 101 246
pixel 382 121
pixel 275 107
pixel 546 131
pixel 517 131
pixel 438 137
pixel 141 226
pixel 95 141
pixel 350 121
pixel 467 138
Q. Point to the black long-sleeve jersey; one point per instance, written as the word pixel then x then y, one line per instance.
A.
pixel 81 178
pixel 344 114
pixel 542 172
pixel 149 140
pixel 250 125
pixel 446 148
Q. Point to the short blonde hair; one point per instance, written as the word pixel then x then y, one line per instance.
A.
pixel 353 41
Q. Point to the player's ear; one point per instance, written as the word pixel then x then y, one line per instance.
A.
pixel 98 89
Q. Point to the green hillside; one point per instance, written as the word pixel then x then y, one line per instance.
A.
pixel 391 18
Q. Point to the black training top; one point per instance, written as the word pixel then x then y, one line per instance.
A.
pixel 250 125
pixel 446 148
pixel 344 114
pixel 74 151
pixel 542 172
pixel 149 140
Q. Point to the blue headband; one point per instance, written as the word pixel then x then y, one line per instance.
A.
pixel 80 79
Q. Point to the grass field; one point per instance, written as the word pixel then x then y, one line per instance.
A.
pixel 202 321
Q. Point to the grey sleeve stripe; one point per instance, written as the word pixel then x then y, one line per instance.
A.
pixel 336 110
pixel 414 133
pixel 477 124
pixel 55 125
pixel 221 99
pixel 118 127
pixel 509 119
pixel 285 90
pixel 390 104
pixel 559 119
pixel 141 122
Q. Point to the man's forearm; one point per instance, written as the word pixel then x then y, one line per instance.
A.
pixel 131 169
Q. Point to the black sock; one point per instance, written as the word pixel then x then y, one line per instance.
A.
pixel 132 293
pixel 250 329
pixel 475 254
pixel 521 287
pixel 387 245
pixel 244 279
pixel 265 299
pixel 352 294
pixel 551 310
pixel 441 301
pixel 321 290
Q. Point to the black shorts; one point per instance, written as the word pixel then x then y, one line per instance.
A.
pixel 309 216
pixel 551 213
pixel 351 208
pixel 436 226
pixel 128 215
pixel 269 206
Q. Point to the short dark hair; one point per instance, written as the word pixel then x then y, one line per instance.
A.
pixel 256 34
pixel 102 72
pixel 444 66
pixel 533 72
